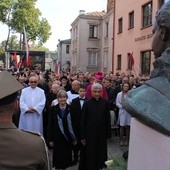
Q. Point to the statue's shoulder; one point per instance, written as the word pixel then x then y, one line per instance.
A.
pixel 149 102
pixel 160 84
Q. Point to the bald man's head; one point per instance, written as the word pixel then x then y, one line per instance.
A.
pixel 75 85
pixel 55 88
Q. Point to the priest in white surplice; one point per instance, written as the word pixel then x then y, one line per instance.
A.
pixel 32 103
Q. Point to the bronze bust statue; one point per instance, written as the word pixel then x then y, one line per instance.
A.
pixel 150 103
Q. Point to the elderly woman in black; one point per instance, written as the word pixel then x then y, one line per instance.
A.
pixel 60 132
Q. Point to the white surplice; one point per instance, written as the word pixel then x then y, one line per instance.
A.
pixel 32 97
pixel 71 96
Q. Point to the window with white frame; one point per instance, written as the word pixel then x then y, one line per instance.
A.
pixel 147 15
pixel 120 25
pixel 93 31
pixel 131 20
pixel 92 58
pixel 67 49
pixel 129 62
pixel 107 29
pixel 119 62
pixel 145 62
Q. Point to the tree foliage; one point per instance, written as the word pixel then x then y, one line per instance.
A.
pixel 25 14
pixel 36 47
pixel 13 44
pixel 5 9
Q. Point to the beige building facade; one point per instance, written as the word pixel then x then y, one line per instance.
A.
pixel 63 51
pixel 91 41
pixel 107 40
pixel 133 35
pixel 86 35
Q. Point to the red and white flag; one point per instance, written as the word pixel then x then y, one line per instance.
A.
pixel 26 47
pixel 15 59
pixel 57 67
pixel 132 58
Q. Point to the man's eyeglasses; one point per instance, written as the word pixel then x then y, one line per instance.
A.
pixel 33 81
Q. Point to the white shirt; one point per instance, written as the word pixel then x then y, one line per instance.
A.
pixel 71 96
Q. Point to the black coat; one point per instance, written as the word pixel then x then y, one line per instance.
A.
pixel 67 87
pixel 49 98
pixel 111 97
pixel 62 151
pixel 95 129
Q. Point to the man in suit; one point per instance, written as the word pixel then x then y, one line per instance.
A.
pixel 77 105
pixel 73 93
pixel 52 95
pixel 111 100
pixel 18 149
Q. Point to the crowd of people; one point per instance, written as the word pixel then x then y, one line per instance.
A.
pixel 74 113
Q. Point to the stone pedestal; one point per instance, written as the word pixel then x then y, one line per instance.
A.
pixel 148 149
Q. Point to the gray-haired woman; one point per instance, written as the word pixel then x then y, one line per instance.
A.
pixel 60 132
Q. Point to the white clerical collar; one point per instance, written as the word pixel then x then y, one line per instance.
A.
pixel 81 97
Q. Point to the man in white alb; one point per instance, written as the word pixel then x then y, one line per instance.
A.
pixel 32 103
pixel 73 93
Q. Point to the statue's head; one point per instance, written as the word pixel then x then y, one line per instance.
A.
pixel 163 16
pixel 161 30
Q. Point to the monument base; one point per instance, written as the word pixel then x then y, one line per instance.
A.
pixel 148 149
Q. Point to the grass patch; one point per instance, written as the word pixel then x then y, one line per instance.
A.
pixel 119 163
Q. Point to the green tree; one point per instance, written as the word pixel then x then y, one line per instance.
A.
pixel 12 45
pixel 26 14
pixel 23 13
pixel 43 33
pixel 37 47
pixel 5 9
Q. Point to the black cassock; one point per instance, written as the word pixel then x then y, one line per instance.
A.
pixel 95 129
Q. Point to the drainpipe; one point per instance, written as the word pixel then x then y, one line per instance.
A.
pixel 113 42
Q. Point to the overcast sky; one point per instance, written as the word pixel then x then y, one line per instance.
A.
pixel 60 15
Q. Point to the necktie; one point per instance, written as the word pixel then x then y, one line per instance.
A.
pixel 62 112
pixel 82 99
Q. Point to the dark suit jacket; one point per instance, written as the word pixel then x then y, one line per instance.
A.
pixel 21 150
pixel 111 97
pixel 76 115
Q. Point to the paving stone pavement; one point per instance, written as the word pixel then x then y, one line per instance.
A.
pixel 114 149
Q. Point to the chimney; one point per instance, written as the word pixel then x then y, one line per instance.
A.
pixel 81 12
